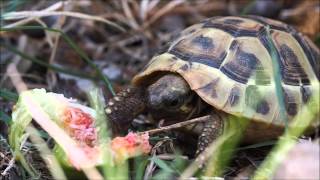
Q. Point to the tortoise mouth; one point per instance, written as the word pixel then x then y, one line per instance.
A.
pixel 191 107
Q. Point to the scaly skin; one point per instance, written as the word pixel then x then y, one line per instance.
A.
pixel 124 107
pixel 212 129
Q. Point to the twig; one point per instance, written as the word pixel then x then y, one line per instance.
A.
pixel 51 78
pixel 48 38
pixel 171 156
pixel 177 125
pixel 54 7
pixel 199 7
pixel 10 165
pixel 127 11
pixel 12 70
pixel 171 5
pixel 37 14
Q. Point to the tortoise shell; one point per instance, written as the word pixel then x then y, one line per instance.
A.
pixel 233 63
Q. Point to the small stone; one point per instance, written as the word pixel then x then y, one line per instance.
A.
pixel 108 111
pixel 113 72
pixel 128 90
pixel 202 157
pixel 117 98
pixel 110 103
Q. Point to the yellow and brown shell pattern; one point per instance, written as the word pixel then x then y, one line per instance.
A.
pixel 228 62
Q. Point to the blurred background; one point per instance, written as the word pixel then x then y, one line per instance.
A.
pixel 135 30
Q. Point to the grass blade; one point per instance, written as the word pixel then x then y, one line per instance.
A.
pixel 42 63
pixel 7 95
pixel 300 123
pixel 162 164
pixel 5 118
pixel 73 46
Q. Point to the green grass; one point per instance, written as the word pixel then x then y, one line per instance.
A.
pixel 8 95
pixel 5 117
pixel 12 5
pixel 317 40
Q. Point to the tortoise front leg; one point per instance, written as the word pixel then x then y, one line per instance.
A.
pixel 212 129
pixel 124 107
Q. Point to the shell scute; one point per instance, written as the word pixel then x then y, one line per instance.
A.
pixel 295 69
pixel 248 61
pixel 203 47
pixel 241 66
pixel 235 26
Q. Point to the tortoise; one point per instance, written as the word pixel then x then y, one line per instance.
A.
pixel 225 67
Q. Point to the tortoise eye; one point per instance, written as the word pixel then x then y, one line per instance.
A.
pixel 173 103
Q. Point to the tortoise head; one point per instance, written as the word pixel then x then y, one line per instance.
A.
pixel 170 97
